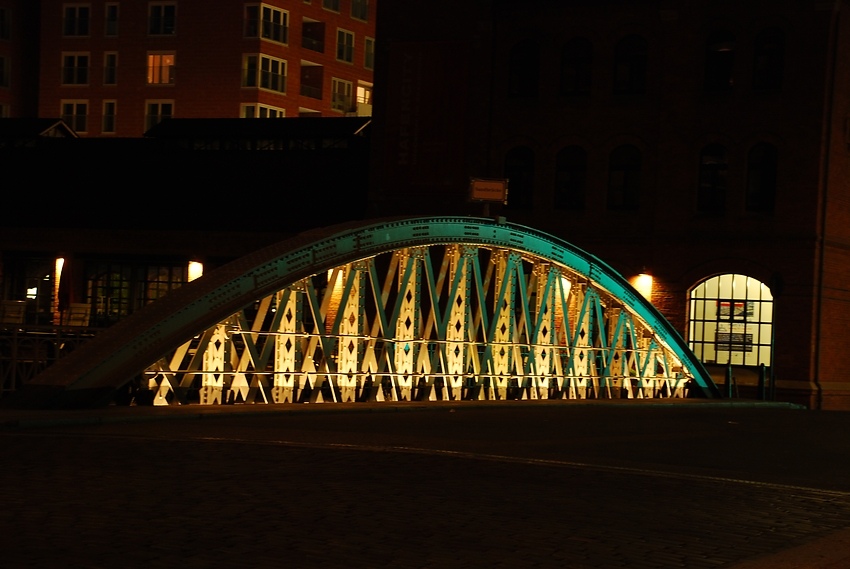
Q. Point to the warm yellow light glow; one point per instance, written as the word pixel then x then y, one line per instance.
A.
pixel 57 275
pixel 643 284
pixel 196 269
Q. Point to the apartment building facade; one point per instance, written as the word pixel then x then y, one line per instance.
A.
pixel 113 68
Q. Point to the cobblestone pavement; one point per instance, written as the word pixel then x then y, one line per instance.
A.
pixel 509 487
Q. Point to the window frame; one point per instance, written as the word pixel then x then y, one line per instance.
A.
pixel 369 53
pixel 72 119
pixel 76 74
pixel 257 110
pixel 110 25
pixel 110 68
pixel 360 10
pixel 256 76
pixel 159 115
pixel 344 49
pixel 78 25
pixel 339 98
pixel 158 71
pixel 109 118
pixel 160 25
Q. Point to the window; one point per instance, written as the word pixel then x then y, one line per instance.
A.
pixel 76 20
pixel 369 55
pixel 110 28
pixel 713 168
pixel 264 72
pixel 345 46
pixel 5 24
pixel 731 320
pixel 519 171
pixel 267 22
pixel 313 36
pixel 161 68
pixel 359 9
pixel 524 70
pixel 576 59
pixel 769 60
pixel 4 71
pixel 331 5
pixel 630 56
pixel 75 68
pixel 624 168
pixel 262 112
pixel 75 115
pixel 570 178
pixel 157 111
pixel 312 79
pixel 110 68
pixel 719 61
pixel 762 163
pixel 162 19
pixel 342 95
pixel 109 111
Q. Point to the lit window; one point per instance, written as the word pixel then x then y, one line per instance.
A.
pixel 264 72
pixel 75 68
pixel 162 19
pixel 345 46
pixel 111 20
pixel 369 56
pixel 75 114
pixel 76 20
pixel 731 320
pixel 109 112
pixel 161 68
pixel 360 9
pixel 342 95
pixel 110 68
pixel 157 111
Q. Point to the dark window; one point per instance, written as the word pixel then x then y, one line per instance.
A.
pixel 111 23
pixel 313 36
pixel 76 21
pixel 576 61
pixel 524 70
pixel 75 69
pixel 570 178
pixel 762 163
pixel 519 170
pixel 719 61
pixel 713 168
pixel 75 115
pixel 624 169
pixel 360 9
pixel 163 19
pixel 769 60
pixel 5 24
pixel 630 57
pixel 312 79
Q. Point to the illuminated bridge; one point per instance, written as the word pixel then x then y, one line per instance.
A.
pixel 437 308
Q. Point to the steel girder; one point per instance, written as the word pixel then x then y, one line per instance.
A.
pixel 415 308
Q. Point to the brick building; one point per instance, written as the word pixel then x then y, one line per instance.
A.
pixel 112 68
pixel 702 143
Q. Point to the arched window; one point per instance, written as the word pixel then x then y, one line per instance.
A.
pixel 769 59
pixel 630 65
pixel 731 320
pixel 570 178
pixel 624 167
pixel 762 163
pixel 576 60
pixel 524 70
pixel 519 170
pixel 719 61
pixel 713 167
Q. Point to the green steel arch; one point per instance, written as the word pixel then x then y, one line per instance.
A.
pixel 601 319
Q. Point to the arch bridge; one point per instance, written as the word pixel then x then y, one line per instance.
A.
pixel 432 308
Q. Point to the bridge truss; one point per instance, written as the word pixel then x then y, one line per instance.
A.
pixel 446 321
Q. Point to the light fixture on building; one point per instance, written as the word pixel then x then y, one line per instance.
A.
pixel 643 284
pixel 196 269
